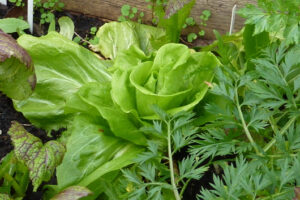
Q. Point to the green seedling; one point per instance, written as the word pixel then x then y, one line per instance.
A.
pixel 89 39
pixel 129 13
pixel 191 22
pixel 46 9
pixel 93 30
pixel 191 37
pixel 18 3
pixel 77 39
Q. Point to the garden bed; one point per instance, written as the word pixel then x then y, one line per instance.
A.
pixel 83 24
pixel 127 111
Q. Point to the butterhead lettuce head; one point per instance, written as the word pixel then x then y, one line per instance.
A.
pixel 174 79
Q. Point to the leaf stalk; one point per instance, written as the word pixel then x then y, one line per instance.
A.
pixel 175 191
pixel 15 185
pixel 245 127
pixel 282 131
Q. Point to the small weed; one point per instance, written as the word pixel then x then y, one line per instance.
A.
pixel 129 13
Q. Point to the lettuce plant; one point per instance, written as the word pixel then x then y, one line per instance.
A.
pixel 58 78
pixel 174 80
pixel 115 37
pixel 104 103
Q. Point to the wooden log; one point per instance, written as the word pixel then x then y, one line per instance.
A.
pixel 220 10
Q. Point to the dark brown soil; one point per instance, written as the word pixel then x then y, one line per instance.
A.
pixel 9 114
pixel 3 10
pixel 84 23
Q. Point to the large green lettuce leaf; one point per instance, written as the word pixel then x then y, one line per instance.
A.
pixel 94 97
pixel 92 151
pixel 175 80
pixel 17 78
pixel 62 67
pixel 115 37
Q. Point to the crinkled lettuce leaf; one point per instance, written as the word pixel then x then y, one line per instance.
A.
pixel 17 78
pixel 115 37
pixel 62 67
pixel 40 159
pixel 93 151
pixel 175 81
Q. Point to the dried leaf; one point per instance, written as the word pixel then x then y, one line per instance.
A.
pixel 175 5
pixel 297 193
pixel 72 193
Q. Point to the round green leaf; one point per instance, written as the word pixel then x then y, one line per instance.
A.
pixel 191 37
pixel 125 10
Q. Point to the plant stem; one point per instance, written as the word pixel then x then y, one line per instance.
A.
pixel 282 155
pixel 175 191
pixel 184 187
pixel 273 125
pixel 282 131
pixel 82 38
pixel 25 180
pixel 248 134
pixel 4 168
pixel 274 195
pixel 15 185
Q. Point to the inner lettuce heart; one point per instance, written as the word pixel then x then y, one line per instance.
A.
pixel 175 79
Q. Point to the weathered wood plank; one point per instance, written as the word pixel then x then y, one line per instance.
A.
pixel 108 9
pixel 221 14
